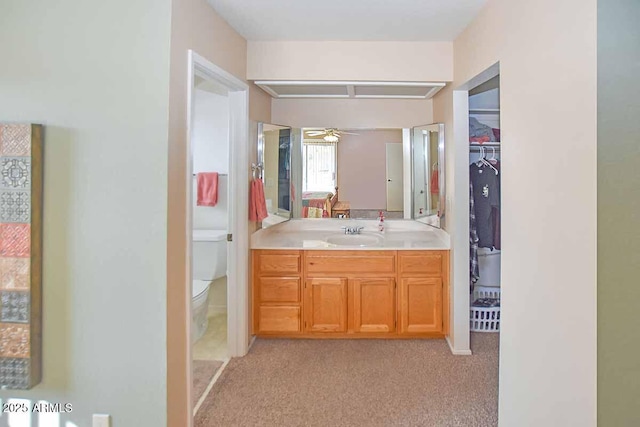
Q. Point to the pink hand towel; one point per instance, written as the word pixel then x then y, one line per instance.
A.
pixel 435 181
pixel 261 203
pixel 257 202
pixel 207 189
pixel 253 216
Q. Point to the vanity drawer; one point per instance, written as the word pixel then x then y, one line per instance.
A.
pixel 278 262
pixel 277 318
pixel 420 262
pixel 279 289
pixel 360 262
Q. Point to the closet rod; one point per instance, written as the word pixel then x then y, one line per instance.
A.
pixel 487 152
pixel 220 174
pixel 490 147
pixel 484 111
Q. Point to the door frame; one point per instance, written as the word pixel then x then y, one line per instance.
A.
pixel 459 334
pixel 238 247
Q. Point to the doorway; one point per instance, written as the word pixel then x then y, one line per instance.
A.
pixel 217 222
pixel 459 339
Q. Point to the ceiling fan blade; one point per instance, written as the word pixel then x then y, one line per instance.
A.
pixel 348 133
pixel 315 133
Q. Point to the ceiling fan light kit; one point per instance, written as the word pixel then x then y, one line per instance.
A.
pixel 330 134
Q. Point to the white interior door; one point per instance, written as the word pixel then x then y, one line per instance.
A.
pixel 395 195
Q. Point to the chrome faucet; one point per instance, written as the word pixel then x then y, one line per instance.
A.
pixel 352 230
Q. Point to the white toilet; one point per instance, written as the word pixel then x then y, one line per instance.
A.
pixel 209 254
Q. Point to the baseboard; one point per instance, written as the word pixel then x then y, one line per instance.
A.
pixel 225 362
pixel 457 352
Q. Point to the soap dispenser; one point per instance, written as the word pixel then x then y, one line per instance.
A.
pixel 381 222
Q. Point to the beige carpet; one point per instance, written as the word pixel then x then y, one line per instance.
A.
pixel 357 383
pixel 203 372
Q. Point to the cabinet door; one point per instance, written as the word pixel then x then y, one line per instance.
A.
pixel 420 305
pixel 326 305
pixel 374 305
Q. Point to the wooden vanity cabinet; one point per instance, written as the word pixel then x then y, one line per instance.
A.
pixel 340 294
pixel 424 292
pixel 361 285
pixel 277 292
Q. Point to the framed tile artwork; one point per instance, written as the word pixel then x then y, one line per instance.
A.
pixel 20 255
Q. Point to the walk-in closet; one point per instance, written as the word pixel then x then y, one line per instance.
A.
pixel 484 206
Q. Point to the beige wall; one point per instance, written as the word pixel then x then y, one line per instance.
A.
pixel 350 60
pixel 548 102
pixel 443 113
pixel 352 113
pixel 194 25
pixel 362 167
pixel 618 207
pixel 98 79
pixel 259 109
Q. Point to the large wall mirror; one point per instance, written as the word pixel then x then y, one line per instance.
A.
pixel 427 148
pixel 352 173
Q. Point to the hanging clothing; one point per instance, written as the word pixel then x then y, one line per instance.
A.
pixel 474 270
pixel 486 195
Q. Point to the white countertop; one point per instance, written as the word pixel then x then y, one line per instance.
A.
pixel 313 234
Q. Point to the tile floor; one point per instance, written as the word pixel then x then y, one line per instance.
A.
pixel 213 344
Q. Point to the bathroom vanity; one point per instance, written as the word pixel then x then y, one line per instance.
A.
pixel 310 280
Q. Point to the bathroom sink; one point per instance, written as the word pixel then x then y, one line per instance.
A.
pixel 361 240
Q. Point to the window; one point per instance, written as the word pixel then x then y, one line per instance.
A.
pixel 319 166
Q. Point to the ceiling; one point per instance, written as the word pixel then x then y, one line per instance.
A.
pixel 396 20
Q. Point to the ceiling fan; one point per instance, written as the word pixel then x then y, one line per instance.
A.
pixel 330 134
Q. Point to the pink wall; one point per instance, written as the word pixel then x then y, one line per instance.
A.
pixel 361 167
pixel 353 113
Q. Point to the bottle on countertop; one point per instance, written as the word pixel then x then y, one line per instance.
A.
pixel 381 222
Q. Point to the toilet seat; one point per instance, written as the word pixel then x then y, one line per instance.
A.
pixel 198 287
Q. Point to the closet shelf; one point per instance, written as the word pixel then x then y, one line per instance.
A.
pixel 486 144
pixel 484 111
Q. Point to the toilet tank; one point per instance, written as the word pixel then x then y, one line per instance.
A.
pixel 209 254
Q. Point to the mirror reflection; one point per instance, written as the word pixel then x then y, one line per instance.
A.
pixel 352 173
pixel 428 178
pixel 274 152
